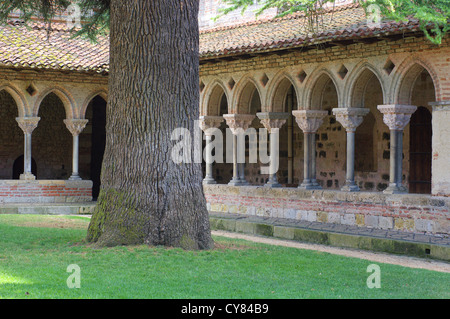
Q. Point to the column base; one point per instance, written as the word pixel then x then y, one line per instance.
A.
pixel 272 185
pixel 75 177
pixel 209 181
pixel 395 189
pixel 309 186
pixel 235 182
pixel 350 187
pixel 244 182
pixel 27 177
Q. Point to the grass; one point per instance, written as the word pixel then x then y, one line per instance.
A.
pixel 36 250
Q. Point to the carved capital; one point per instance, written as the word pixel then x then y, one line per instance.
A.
pixel 238 123
pixel 206 123
pixel 75 126
pixel 350 118
pixel 273 121
pixel 396 116
pixel 28 124
pixel 309 120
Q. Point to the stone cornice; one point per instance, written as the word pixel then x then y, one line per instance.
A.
pixel 440 106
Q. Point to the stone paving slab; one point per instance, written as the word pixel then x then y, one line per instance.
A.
pixel 393 241
pixel 48 208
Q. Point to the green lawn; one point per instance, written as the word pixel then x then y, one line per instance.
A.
pixel 35 252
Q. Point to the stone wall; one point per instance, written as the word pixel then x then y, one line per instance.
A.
pixel 410 213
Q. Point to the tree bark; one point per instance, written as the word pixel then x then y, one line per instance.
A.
pixel 145 197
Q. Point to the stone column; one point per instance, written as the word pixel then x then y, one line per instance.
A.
pixel 350 118
pixel 440 171
pixel 75 126
pixel 238 124
pixel 208 124
pixel 273 121
pixel 28 125
pixel 309 122
pixel 396 117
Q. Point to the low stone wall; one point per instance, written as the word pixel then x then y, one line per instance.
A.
pixel 45 191
pixel 408 212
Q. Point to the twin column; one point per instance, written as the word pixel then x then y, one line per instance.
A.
pixel 238 124
pixel 29 124
pixel 350 119
pixel 309 121
pixel 75 126
pixel 395 116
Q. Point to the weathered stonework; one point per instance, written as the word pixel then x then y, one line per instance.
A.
pixel 419 77
pixel 409 213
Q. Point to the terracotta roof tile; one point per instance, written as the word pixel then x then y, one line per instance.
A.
pixel 33 47
pixel 343 23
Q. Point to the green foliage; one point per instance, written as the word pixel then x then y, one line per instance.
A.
pixel 433 15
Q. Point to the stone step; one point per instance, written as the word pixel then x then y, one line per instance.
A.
pixel 84 208
pixel 394 242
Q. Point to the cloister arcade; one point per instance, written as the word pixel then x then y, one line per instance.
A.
pixel 52 132
pixel 343 117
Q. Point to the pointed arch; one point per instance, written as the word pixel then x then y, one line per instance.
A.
pixel 21 102
pixel 278 90
pixel 65 97
pixel 319 81
pixel 213 98
pixel 103 93
pixel 242 98
pixel 406 77
pixel 358 80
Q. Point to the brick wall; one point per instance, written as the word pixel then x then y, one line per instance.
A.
pixel 45 191
pixel 411 213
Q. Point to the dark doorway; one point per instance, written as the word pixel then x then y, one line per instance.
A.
pixel 420 152
pixel 98 140
pixel 18 167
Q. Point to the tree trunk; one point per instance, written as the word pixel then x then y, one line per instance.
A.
pixel 145 197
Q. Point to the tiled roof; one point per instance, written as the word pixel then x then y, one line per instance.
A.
pixel 344 23
pixel 23 47
pixel 34 47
